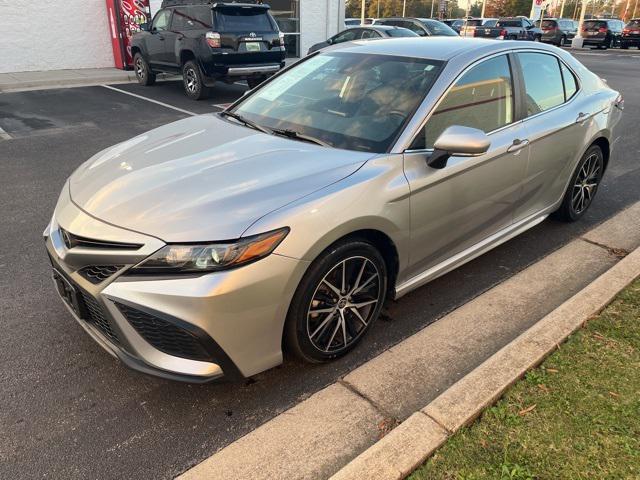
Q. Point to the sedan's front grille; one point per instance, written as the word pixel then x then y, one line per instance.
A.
pixel 165 336
pixel 94 315
pixel 72 241
pixel 99 273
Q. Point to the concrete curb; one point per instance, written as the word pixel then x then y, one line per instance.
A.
pixel 407 447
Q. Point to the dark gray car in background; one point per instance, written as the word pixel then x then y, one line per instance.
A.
pixel 372 32
pixel 424 27
pixel 558 31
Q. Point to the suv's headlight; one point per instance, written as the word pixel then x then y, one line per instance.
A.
pixel 210 257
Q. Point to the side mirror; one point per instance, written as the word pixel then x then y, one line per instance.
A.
pixel 459 141
pixel 330 41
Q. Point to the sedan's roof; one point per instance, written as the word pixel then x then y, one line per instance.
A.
pixel 434 48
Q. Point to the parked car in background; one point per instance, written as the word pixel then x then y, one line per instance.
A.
pixel 358 174
pixel 355 22
pixel 209 42
pixel 512 28
pixel 373 32
pixel 470 25
pixel 455 24
pixel 631 34
pixel 424 27
pixel 602 33
pixel 558 31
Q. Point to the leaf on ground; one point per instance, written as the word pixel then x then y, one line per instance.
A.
pixel 543 387
pixel 552 370
pixel 614 394
pixel 527 410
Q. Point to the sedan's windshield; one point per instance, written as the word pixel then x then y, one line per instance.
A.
pixel 348 100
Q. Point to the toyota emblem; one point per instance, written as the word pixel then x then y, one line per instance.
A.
pixel 253 35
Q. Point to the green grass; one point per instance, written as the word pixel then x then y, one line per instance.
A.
pixel 577 416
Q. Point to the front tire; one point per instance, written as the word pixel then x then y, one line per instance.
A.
pixel 583 186
pixel 337 301
pixel 193 81
pixel 563 41
pixel 143 72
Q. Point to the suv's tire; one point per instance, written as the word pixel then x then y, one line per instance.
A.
pixel 563 41
pixel 583 186
pixel 346 310
pixel 254 82
pixel 624 46
pixel 193 81
pixel 537 38
pixel 143 72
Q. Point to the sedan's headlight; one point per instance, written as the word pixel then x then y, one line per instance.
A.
pixel 210 257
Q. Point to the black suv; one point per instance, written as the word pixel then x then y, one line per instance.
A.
pixel 208 41
pixel 602 33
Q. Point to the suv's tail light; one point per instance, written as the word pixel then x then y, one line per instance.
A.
pixel 626 30
pixel 213 39
pixel 602 30
pixel 503 33
pixel 281 39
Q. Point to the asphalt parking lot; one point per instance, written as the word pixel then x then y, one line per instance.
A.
pixel 69 410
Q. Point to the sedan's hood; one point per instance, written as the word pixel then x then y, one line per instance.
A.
pixel 203 179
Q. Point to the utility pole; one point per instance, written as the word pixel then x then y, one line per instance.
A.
pixel 378 8
pixel 562 8
pixel 432 1
pixel 404 8
pixel 484 4
pixel 626 11
pixel 362 12
pixel 583 10
pixel 634 9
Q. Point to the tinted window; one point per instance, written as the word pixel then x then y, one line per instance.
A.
pixel 490 23
pixel 549 24
pixel 401 32
pixel 347 35
pixel 243 20
pixel 413 27
pixel 633 24
pixel 543 81
pixel 474 23
pixel 350 100
pixel 570 82
pixel 161 20
pixel 191 18
pixel 594 25
pixel 509 23
pixel 482 98
pixel 369 34
pixel 438 28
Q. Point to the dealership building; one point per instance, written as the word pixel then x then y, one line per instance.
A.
pixel 70 34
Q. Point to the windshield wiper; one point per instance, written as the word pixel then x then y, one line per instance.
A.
pixel 299 136
pixel 243 120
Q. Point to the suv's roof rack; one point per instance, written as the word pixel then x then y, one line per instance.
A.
pixel 213 3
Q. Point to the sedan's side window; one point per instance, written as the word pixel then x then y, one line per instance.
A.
pixel 369 34
pixel 347 36
pixel 542 80
pixel 482 98
pixel 161 21
pixel 570 82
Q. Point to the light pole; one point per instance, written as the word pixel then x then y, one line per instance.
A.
pixel 562 8
pixel 577 41
pixel 362 11
pixel 404 8
pixel 484 4
pixel 634 9
pixel 378 8
pixel 432 1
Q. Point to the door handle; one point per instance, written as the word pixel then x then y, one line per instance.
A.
pixel 581 117
pixel 161 38
pixel 518 145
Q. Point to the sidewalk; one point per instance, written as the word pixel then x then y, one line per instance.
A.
pixel 63 78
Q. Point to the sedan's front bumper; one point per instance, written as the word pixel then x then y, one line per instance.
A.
pixel 191 328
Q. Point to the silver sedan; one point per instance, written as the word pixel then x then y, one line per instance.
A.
pixel 201 248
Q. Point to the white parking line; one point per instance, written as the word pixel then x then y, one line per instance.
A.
pixel 150 100
pixel 4 135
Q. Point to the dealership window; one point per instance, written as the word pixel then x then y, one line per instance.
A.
pixel 287 14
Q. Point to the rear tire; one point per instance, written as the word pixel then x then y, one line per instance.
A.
pixel 143 72
pixel 537 38
pixel 563 41
pixel 254 82
pixel 337 301
pixel 583 186
pixel 193 81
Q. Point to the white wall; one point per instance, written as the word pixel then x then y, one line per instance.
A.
pixel 319 20
pixel 53 35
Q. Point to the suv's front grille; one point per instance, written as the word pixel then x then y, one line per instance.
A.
pixel 99 273
pixel 165 336
pixel 95 316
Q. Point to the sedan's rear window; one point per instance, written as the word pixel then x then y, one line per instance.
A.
pixel 549 24
pixel 401 32
pixel 243 20
pixel 474 23
pixel 509 23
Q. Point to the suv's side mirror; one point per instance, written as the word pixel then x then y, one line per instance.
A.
pixel 460 141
